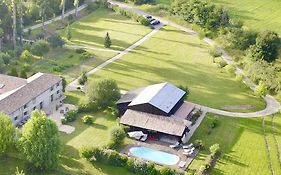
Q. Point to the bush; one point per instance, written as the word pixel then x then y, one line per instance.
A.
pixel 5 57
pixel 117 136
pixel 83 79
pixel 56 41
pixel 169 171
pixel 40 48
pixel 86 153
pixel 85 55
pixel 214 123
pixel 261 89
pixel 80 50
pixel 40 36
pixel 87 119
pixel 103 92
pixel 214 52
pixel 144 21
pixel 70 116
pixel 26 56
pixel 215 149
pixel 239 78
pixel 266 46
pixel 230 69
pixel 198 144
pixel 89 107
pixel 221 63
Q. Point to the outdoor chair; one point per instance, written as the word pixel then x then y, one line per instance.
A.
pixel 144 138
pixel 187 146
pixel 176 145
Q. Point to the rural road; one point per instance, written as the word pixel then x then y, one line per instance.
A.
pixel 272 105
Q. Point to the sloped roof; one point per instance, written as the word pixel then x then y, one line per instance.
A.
pixel 163 96
pixel 163 124
pixel 36 85
pixel 9 83
pixel 130 96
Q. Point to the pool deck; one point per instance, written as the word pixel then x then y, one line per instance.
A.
pixel 162 146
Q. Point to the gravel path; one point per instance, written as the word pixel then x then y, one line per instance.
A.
pixel 74 84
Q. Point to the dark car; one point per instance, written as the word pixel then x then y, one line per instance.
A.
pixel 147 17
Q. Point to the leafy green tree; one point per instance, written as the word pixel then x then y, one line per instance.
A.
pixel 2 67
pixel 5 57
pixel 266 47
pixel 68 33
pixel 13 72
pixel 40 143
pixel 261 89
pixel 7 133
pixel 104 92
pixel 215 149
pixel 26 56
pixel 107 41
pixel 1 37
pixel 40 48
pixel 23 74
pixel 56 41
pixel 117 136
pixel 64 83
pixel 83 79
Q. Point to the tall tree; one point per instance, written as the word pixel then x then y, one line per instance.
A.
pixel 76 4
pixel 1 38
pixel 43 6
pixel 62 6
pixel 40 142
pixel 12 4
pixel 7 133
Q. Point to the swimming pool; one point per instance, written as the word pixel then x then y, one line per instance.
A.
pixel 155 155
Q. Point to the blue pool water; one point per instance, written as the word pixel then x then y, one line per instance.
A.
pixel 154 155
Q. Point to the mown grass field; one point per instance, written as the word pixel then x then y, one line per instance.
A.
pixel 242 143
pixel 91 30
pixel 70 64
pixel 256 14
pixel 177 57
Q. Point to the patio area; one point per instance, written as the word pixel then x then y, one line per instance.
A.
pixel 57 111
pixel 183 163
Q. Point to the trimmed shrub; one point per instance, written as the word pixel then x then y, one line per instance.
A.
pixel 230 69
pixel 117 136
pixel 70 116
pixel 198 144
pixel 87 153
pixel 261 89
pixel 83 79
pixel 40 48
pixel 80 50
pixel 215 149
pixel 56 41
pixel 87 119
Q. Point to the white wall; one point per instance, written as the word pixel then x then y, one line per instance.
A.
pixel 23 113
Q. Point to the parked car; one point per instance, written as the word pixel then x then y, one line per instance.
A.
pixel 154 22
pixel 147 17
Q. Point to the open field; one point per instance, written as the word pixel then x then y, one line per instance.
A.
pixel 70 64
pixel 241 141
pixel 91 30
pixel 175 56
pixel 256 14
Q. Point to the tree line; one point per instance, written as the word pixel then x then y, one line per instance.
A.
pixel 17 14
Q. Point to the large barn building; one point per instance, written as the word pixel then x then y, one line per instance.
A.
pixel 158 108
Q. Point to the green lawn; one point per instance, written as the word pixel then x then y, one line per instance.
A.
pixel 256 14
pixel 177 57
pixel 91 30
pixel 242 143
pixel 70 63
